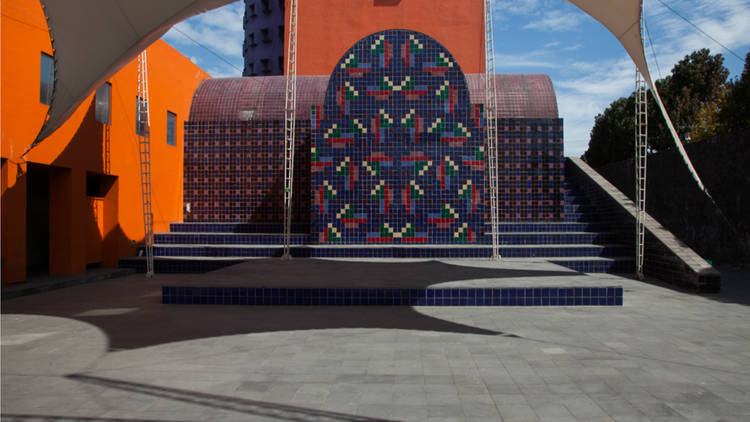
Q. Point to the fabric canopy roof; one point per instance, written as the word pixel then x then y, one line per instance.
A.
pixel 622 18
pixel 93 39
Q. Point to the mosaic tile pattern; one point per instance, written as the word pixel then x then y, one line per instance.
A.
pixel 233 172
pixel 398 156
pixel 514 296
pixel 531 170
pixel 581 246
pixel 233 151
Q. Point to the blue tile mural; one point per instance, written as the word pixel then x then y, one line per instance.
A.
pixel 397 152
pixel 391 153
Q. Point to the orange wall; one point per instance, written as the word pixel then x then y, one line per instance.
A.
pixel 328 28
pixel 78 147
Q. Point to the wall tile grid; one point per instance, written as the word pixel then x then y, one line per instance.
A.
pixel 233 172
pixel 665 257
pixel 394 155
pixel 532 170
pixel 517 296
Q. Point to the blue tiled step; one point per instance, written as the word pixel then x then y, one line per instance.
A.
pixel 235 228
pixel 229 238
pixel 570 217
pixel 624 264
pixel 321 251
pixel 553 238
pixel 512 296
pixel 580 217
pixel 243 228
pixel 389 251
pixel 551 227
pixel 505 238
pixel 192 265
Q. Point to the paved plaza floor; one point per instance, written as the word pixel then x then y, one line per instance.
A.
pixel 110 351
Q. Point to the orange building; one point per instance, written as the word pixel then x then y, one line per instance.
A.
pixel 329 28
pixel 74 202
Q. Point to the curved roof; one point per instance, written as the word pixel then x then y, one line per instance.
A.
pixel 262 98
pixel 524 95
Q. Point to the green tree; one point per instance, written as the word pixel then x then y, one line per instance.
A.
pixel 736 112
pixel 612 137
pixel 693 94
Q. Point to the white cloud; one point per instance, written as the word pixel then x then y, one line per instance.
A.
pixel 728 21
pixel 223 71
pixel 589 86
pixel 556 21
pixel 588 74
pixel 611 77
pixel 518 7
pixel 510 61
pixel 582 97
pixel 220 30
pixel 578 113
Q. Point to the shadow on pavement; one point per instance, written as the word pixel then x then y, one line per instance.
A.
pixel 25 417
pixel 735 286
pixel 129 309
pixel 250 408
pixel 332 274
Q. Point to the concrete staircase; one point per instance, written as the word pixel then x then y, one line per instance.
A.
pixel 582 241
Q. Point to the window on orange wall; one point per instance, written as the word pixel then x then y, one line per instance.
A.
pixel 102 100
pixel 47 79
pixel 171 121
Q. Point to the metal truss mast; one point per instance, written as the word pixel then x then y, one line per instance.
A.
pixel 490 114
pixel 143 130
pixel 290 107
pixel 641 152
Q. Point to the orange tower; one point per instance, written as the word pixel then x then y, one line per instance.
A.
pixel 328 28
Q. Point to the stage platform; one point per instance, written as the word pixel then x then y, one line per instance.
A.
pixel 395 282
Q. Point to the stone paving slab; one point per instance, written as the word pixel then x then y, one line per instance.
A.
pixel 45 283
pixel 664 356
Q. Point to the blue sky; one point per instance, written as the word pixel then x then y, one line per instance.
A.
pixel 587 65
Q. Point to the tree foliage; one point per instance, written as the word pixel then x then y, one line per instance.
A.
pixel 612 137
pixel 694 95
pixel 697 84
pixel 735 114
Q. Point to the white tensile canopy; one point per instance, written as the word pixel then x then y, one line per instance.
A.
pixel 93 39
